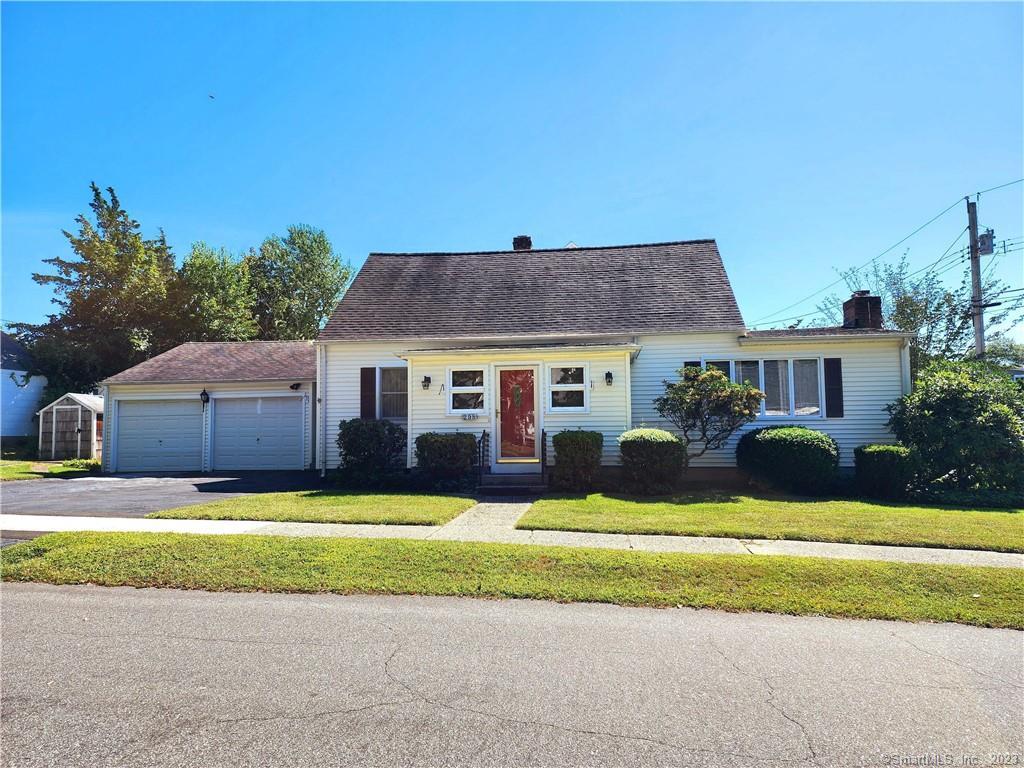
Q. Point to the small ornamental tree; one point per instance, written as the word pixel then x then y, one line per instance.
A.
pixel 965 421
pixel 707 409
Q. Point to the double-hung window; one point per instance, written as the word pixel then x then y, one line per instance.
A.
pixel 394 393
pixel 465 390
pixel 792 386
pixel 567 389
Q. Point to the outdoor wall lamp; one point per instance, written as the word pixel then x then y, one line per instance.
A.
pixel 296 386
pixel 205 397
pixel 608 378
pixel 426 382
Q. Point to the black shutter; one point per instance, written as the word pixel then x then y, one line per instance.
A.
pixel 368 393
pixel 833 387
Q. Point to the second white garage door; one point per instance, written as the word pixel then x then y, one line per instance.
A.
pixel 258 433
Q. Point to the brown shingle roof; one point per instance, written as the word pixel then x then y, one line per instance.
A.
pixel 225 361
pixel 629 289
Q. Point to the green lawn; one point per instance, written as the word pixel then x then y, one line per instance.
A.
pixel 22 470
pixel 775 517
pixel 330 507
pixel 796 585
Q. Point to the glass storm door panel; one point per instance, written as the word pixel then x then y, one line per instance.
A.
pixel 518 409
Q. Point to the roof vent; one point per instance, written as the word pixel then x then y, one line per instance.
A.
pixel 522 243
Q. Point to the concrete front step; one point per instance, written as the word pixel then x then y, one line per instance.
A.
pixel 513 485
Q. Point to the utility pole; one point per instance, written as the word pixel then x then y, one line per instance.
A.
pixel 977 311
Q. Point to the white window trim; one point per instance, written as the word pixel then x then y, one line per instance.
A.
pixel 731 359
pixel 482 389
pixel 380 392
pixel 586 386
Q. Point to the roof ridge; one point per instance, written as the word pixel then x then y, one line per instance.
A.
pixel 543 250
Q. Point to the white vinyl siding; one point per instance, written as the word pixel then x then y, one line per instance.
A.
pixel 21 400
pixel 872 378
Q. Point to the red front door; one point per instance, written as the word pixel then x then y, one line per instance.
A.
pixel 518 413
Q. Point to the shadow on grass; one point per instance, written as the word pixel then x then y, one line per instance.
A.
pixel 732 497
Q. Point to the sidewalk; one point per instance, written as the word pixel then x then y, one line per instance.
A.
pixel 495 523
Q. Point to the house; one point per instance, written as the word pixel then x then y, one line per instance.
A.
pixel 522 344
pixel 20 393
pixel 211 406
pixel 512 347
pixel 71 427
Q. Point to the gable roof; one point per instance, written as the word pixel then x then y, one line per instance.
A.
pixel 204 361
pixel 625 290
pixel 92 402
pixel 13 355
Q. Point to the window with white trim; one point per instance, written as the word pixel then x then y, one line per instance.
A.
pixel 567 388
pixel 466 390
pixel 792 386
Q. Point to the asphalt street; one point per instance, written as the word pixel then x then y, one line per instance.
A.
pixel 121 677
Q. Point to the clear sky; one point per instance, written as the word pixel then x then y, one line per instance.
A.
pixel 804 137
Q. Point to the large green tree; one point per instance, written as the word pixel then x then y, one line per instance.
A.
pixel 921 303
pixel 214 297
pixel 112 299
pixel 297 281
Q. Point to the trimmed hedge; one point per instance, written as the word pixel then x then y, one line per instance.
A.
pixel 794 458
pixel 370 446
pixel 577 459
pixel 652 460
pixel 446 456
pixel 884 471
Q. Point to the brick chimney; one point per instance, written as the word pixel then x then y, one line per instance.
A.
pixel 862 310
pixel 522 243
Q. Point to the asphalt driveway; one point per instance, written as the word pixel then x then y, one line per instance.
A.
pixel 138 495
pixel 125 677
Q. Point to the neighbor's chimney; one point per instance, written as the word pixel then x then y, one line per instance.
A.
pixel 862 310
pixel 522 243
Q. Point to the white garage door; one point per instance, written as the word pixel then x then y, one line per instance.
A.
pixel 257 433
pixel 160 435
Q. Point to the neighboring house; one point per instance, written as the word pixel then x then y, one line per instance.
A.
pixel 21 393
pixel 528 342
pixel 210 406
pixel 516 345
pixel 1017 374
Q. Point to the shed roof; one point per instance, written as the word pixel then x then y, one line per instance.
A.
pixel 203 361
pixel 628 289
pixel 92 402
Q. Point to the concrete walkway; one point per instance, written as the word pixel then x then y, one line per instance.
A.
pixel 495 523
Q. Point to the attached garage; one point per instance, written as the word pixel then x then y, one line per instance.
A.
pixel 217 406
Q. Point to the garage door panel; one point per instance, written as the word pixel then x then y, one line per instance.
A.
pixel 159 435
pixel 258 433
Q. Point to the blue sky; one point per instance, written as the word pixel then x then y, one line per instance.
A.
pixel 804 137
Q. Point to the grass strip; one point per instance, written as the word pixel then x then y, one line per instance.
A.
pixel 776 517
pixel 991 597
pixel 330 507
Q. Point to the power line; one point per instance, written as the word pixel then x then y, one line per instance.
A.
pixel 772 316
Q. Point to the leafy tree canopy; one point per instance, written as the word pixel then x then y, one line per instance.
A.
pixel 121 299
pixel 919 302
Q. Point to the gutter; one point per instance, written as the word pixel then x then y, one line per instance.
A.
pixel 824 338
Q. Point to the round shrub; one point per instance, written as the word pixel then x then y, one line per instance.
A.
pixel 796 459
pixel 369 445
pixel 446 456
pixel 884 471
pixel 652 460
pixel 577 459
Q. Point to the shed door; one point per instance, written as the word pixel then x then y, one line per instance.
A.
pixel 159 435
pixel 258 433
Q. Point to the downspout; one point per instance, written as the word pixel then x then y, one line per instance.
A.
pixel 906 381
